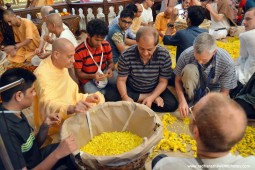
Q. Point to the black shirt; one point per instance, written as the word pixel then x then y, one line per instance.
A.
pixel 19 140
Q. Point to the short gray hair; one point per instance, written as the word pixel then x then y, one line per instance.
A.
pixel 204 41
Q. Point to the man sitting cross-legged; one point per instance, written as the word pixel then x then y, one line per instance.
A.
pixel 143 73
pixel 93 65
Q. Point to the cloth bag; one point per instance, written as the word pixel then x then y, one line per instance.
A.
pixel 115 116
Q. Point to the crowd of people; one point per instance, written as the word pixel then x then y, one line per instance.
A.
pixel 126 61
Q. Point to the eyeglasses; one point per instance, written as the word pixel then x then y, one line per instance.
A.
pixel 191 113
pixel 126 22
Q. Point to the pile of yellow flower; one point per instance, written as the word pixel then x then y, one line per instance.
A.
pixel 112 143
pixel 173 141
pixel 246 146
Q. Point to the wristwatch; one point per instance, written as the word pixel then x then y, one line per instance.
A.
pixel 15 47
pixel 169 25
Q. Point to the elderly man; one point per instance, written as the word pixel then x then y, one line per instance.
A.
pixel 26 37
pixel 137 21
pixel 183 39
pixel 147 17
pixel 93 59
pixel 217 124
pixel 162 20
pixel 21 143
pixel 56 91
pixel 245 65
pixel 55 25
pixel 44 49
pixel 116 36
pixel 143 72
pixel 203 68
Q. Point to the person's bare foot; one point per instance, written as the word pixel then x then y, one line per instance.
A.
pixel 159 101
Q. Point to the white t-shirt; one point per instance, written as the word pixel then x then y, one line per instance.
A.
pixel 245 65
pixel 69 35
pixel 223 163
pixel 224 23
pixel 146 15
pixel 45 31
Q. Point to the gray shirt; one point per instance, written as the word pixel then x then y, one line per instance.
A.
pixel 225 76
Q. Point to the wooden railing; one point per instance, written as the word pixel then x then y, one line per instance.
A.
pixel 89 10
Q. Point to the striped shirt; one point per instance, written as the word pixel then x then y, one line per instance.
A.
pixel 142 77
pixel 225 76
pixel 84 61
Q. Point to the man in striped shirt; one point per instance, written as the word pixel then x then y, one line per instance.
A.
pixel 143 73
pixel 93 59
pixel 203 65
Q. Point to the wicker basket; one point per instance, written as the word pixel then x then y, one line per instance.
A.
pixel 136 164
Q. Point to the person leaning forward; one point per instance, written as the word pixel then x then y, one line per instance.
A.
pixel 56 90
pixel 143 72
pixel 217 124
pixel 201 69
pixel 26 37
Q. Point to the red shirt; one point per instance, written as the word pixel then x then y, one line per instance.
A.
pixel 84 61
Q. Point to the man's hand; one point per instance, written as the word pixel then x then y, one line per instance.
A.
pixel 159 102
pixel 48 39
pixel 10 50
pixel 99 76
pixel 208 6
pixel 93 98
pixel 109 73
pixel 127 98
pixel 80 107
pixel 183 109
pixel 38 51
pixel 52 119
pixel 148 101
pixel 66 147
pixel 44 55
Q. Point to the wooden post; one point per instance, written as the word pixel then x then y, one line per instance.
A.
pixel 106 10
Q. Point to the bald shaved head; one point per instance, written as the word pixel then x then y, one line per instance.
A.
pixel 45 10
pixel 55 19
pixel 62 53
pixel 61 44
pixel 221 122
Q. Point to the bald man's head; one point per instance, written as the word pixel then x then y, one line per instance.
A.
pixel 62 53
pixel 55 19
pixel 139 10
pixel 221 122
pixel 45 10
pixel 61 44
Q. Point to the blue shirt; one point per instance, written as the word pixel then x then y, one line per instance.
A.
pixel 128 32
pixel 183 39
pixel 115 29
